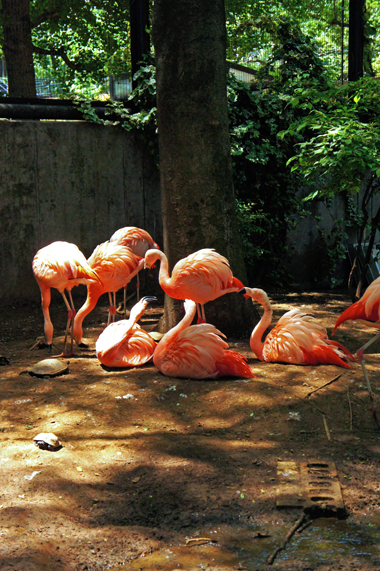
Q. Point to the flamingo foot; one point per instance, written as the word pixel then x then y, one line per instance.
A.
pixel 64 354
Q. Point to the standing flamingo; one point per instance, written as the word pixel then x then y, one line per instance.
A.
pixel 197 351
pixel 124 343
pixel 203 276
pixel 61 265
pixel 139 241
pixel 295 339
pixel 115 265
pixel 367 311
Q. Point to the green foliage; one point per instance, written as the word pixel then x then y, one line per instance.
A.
pixel 342 151
pixel 87 41
pixel 141 113
pixel 250 40
pixel 267 191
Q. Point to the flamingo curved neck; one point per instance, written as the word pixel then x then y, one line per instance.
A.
pixel 163 276
pixel 94 291
pixel 140 266
pixel 256 343
pixel 185 322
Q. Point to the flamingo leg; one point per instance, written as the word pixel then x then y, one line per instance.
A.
pixel 73 312
pixel 69 325
pixel 360 354
pixel 125 302
pixel 137 288
pixel 112 307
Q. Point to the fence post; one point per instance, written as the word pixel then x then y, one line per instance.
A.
pixel 355 40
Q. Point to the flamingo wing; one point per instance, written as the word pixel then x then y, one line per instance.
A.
pixel 203 276
pixel 137 239
pixel 113 263
pixel 298 339
pixel 121 345
pixel 198 352
pixel 367 308
pixel 62 265
pixel 193 353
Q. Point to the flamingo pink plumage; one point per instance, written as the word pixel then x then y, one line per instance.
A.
pixel 296 338
pixel 115 265
pixel 124 343
pixel 139 241
pixel 367 311
pixel 197 351
pixel 60 265
pixel 202 276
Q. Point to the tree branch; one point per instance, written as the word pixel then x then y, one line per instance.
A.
pixel 44 17
pixel 60 53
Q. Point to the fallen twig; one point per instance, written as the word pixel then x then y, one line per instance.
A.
pixel 304 526
pixel 199 541
pixel 290 534
pixel 326 427
pixel 323 386
pixel 315 407
pixel 349 406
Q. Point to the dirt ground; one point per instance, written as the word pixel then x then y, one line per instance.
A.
pixel 149 462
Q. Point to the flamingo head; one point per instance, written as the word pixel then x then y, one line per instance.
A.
pixel 151 256
pixel 244 292
pixel 138 309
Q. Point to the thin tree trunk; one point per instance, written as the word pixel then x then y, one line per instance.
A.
pixel 374 227
pixel 365 200
pixel 18 48
pixel 198 201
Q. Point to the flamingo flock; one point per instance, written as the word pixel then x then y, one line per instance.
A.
pixel 194 351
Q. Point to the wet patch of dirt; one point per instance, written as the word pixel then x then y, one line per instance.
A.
pixel 150 461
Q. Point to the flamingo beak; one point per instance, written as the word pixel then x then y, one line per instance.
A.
pixel 149 298
pixel 244 292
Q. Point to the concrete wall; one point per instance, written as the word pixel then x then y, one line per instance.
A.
pixel 71 181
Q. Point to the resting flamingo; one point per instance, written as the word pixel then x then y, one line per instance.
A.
pixel 61 265
pixel 296 338
pixel 115 265
pixel 202 276
pixel 367 311
pixel 124 343
pixel 197 351
pixel 139 241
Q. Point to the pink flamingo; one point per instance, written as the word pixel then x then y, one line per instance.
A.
pixel 115 265
pixel 296 338
pixel 61 265
pixel 139 241
pixel 202 276
pixel 367 311
pixel 197 351
pixel 124 343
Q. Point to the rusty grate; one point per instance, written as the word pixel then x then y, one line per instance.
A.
pixel 312 485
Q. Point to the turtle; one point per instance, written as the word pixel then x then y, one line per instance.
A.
pixel 49 368
pixel 47 441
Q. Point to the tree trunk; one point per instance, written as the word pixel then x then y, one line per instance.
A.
pixel 198 201
pixel 18 48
